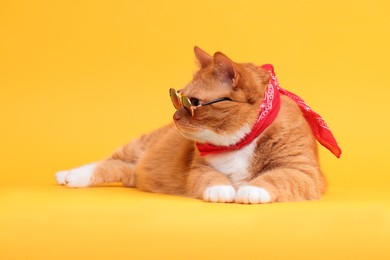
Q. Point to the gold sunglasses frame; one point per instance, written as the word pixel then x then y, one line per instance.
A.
pixel 180 101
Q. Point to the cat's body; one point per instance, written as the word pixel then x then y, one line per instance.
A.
pixel 281 164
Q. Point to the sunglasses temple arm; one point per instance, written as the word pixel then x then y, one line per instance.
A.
pixel 214 101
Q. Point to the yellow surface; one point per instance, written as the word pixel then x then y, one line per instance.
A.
pixel 80 78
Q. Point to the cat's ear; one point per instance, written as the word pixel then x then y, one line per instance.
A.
pixel 203 57
pixel 225 68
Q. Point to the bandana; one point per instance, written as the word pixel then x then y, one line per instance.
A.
pixel 268 111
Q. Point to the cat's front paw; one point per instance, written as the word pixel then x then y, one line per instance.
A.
pixel 78 177
pixel 219 193
pixel 252 195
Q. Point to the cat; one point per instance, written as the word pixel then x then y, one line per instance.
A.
pixel 188 156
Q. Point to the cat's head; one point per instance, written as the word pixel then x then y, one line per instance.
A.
pixel 225 122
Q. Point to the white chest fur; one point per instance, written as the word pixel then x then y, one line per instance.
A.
pixel 235 165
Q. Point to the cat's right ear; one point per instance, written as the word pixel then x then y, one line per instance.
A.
pixel 203 57
pixel 225 68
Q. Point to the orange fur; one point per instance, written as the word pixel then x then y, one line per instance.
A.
pixel 284 161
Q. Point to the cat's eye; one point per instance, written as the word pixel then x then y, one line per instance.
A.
pixel 195 101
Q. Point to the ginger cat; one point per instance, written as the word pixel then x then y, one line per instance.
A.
pixel 277 165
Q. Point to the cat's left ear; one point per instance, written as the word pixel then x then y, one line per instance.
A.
pixel 203 57
pixel 226 68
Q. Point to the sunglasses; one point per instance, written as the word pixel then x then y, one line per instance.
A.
pixel 179 101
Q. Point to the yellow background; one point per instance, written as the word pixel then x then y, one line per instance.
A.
pixel 80 78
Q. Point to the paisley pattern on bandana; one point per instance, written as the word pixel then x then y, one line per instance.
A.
pixel 320 129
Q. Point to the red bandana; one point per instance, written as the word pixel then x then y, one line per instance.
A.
pixel 268 111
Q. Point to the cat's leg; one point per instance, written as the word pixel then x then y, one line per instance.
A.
pixel 209 185
pixel 118 168
pixel 94 174
pixel 281 184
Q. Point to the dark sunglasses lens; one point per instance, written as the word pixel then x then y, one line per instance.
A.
pixel 188 106
pixel 174 98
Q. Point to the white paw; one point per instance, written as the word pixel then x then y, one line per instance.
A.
pixel 78 177
pixel 252 195
pixel 60 177
pixel 219 193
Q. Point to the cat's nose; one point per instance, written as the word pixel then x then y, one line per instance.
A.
pixel 176 116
